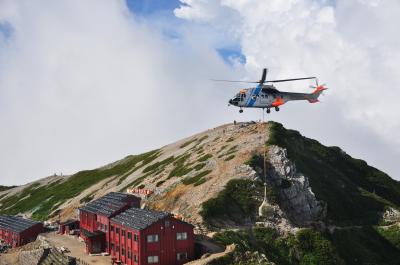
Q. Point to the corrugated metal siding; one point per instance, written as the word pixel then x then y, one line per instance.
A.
pixel 166 248
pixel 88 221
pixel 19 239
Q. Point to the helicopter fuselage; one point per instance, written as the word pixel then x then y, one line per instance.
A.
pixel 267 96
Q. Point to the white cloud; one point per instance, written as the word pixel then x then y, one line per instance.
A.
pixel 352 45
pixel 83 83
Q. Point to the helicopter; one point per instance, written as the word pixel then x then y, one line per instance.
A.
pixel 266 96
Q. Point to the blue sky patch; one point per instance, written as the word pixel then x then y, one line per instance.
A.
pixel 146 7
pixel 231 56
pixel 5 29
pixel 160 13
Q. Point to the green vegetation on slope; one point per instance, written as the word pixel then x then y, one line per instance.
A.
pixel 141 160
pixel 229 157
pixel 237 203
pixel 188 143
pixel 199 166
pixel 180 168
pixel 198 141
pixel 158 166
pixel 197 179
pixel 391 233
pixel 364 245
pixel 306 247
pixel 87 198
pixel 355 192
pixel 356 195
pixel 3 188
pixel 43 199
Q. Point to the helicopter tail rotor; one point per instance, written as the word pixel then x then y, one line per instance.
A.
pixel 318 87
pixel 318 90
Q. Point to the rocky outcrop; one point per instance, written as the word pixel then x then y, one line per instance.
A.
pixel 391 215
pixel 32 257
pixel 296 198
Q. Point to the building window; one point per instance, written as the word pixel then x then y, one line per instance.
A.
pixel 152 259
pixel 152 238
pixel 123 232
pixel 135 258
pixel 129 254
pixel 117 248
pixel 129 235
pixel 112 246
pixel 181 256
pixel 167 223
pixel 135 237
pixel 117 230
pixel 181 236
pixel 123 252
pixel 112 228
pixel 106 227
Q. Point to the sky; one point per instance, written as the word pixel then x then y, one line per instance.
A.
pixel 85 83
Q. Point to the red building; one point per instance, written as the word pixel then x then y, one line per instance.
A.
pixel 95 217
pixel 17 231
pixel 67 226
pixel 139 237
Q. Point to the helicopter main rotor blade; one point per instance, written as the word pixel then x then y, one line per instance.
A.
pixel 235 81
pixel 292 79
pixel 264 75
pixel 264 81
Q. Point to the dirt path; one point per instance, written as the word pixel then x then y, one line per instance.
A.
pixel 229 249
pixel 76 247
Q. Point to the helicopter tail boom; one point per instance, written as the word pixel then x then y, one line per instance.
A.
pixel 313 97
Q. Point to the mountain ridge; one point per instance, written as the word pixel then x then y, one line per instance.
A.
pixel 213 179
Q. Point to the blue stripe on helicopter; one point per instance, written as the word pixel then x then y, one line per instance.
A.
pixel 253 96
pixel 248 100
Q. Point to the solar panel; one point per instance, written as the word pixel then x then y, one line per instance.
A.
pixel 16 223
pixel 107 204
pixel 139 219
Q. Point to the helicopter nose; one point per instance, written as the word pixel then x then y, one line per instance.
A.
pixel 230 101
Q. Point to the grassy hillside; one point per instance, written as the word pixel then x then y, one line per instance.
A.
pixel 306 247
pixel 42 200
pixel 3 188
pixel 356 193
pixel 365 245
pixel 171 170
pixel 237 203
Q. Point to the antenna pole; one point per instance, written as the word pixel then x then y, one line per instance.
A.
pixel 264 209
pixel 265 160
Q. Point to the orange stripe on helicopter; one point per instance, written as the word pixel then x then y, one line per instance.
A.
pixel 319 88
pixel 278 101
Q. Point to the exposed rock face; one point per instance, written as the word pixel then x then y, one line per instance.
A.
pixel 391 215
pixel 295 195
pixel 32 257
